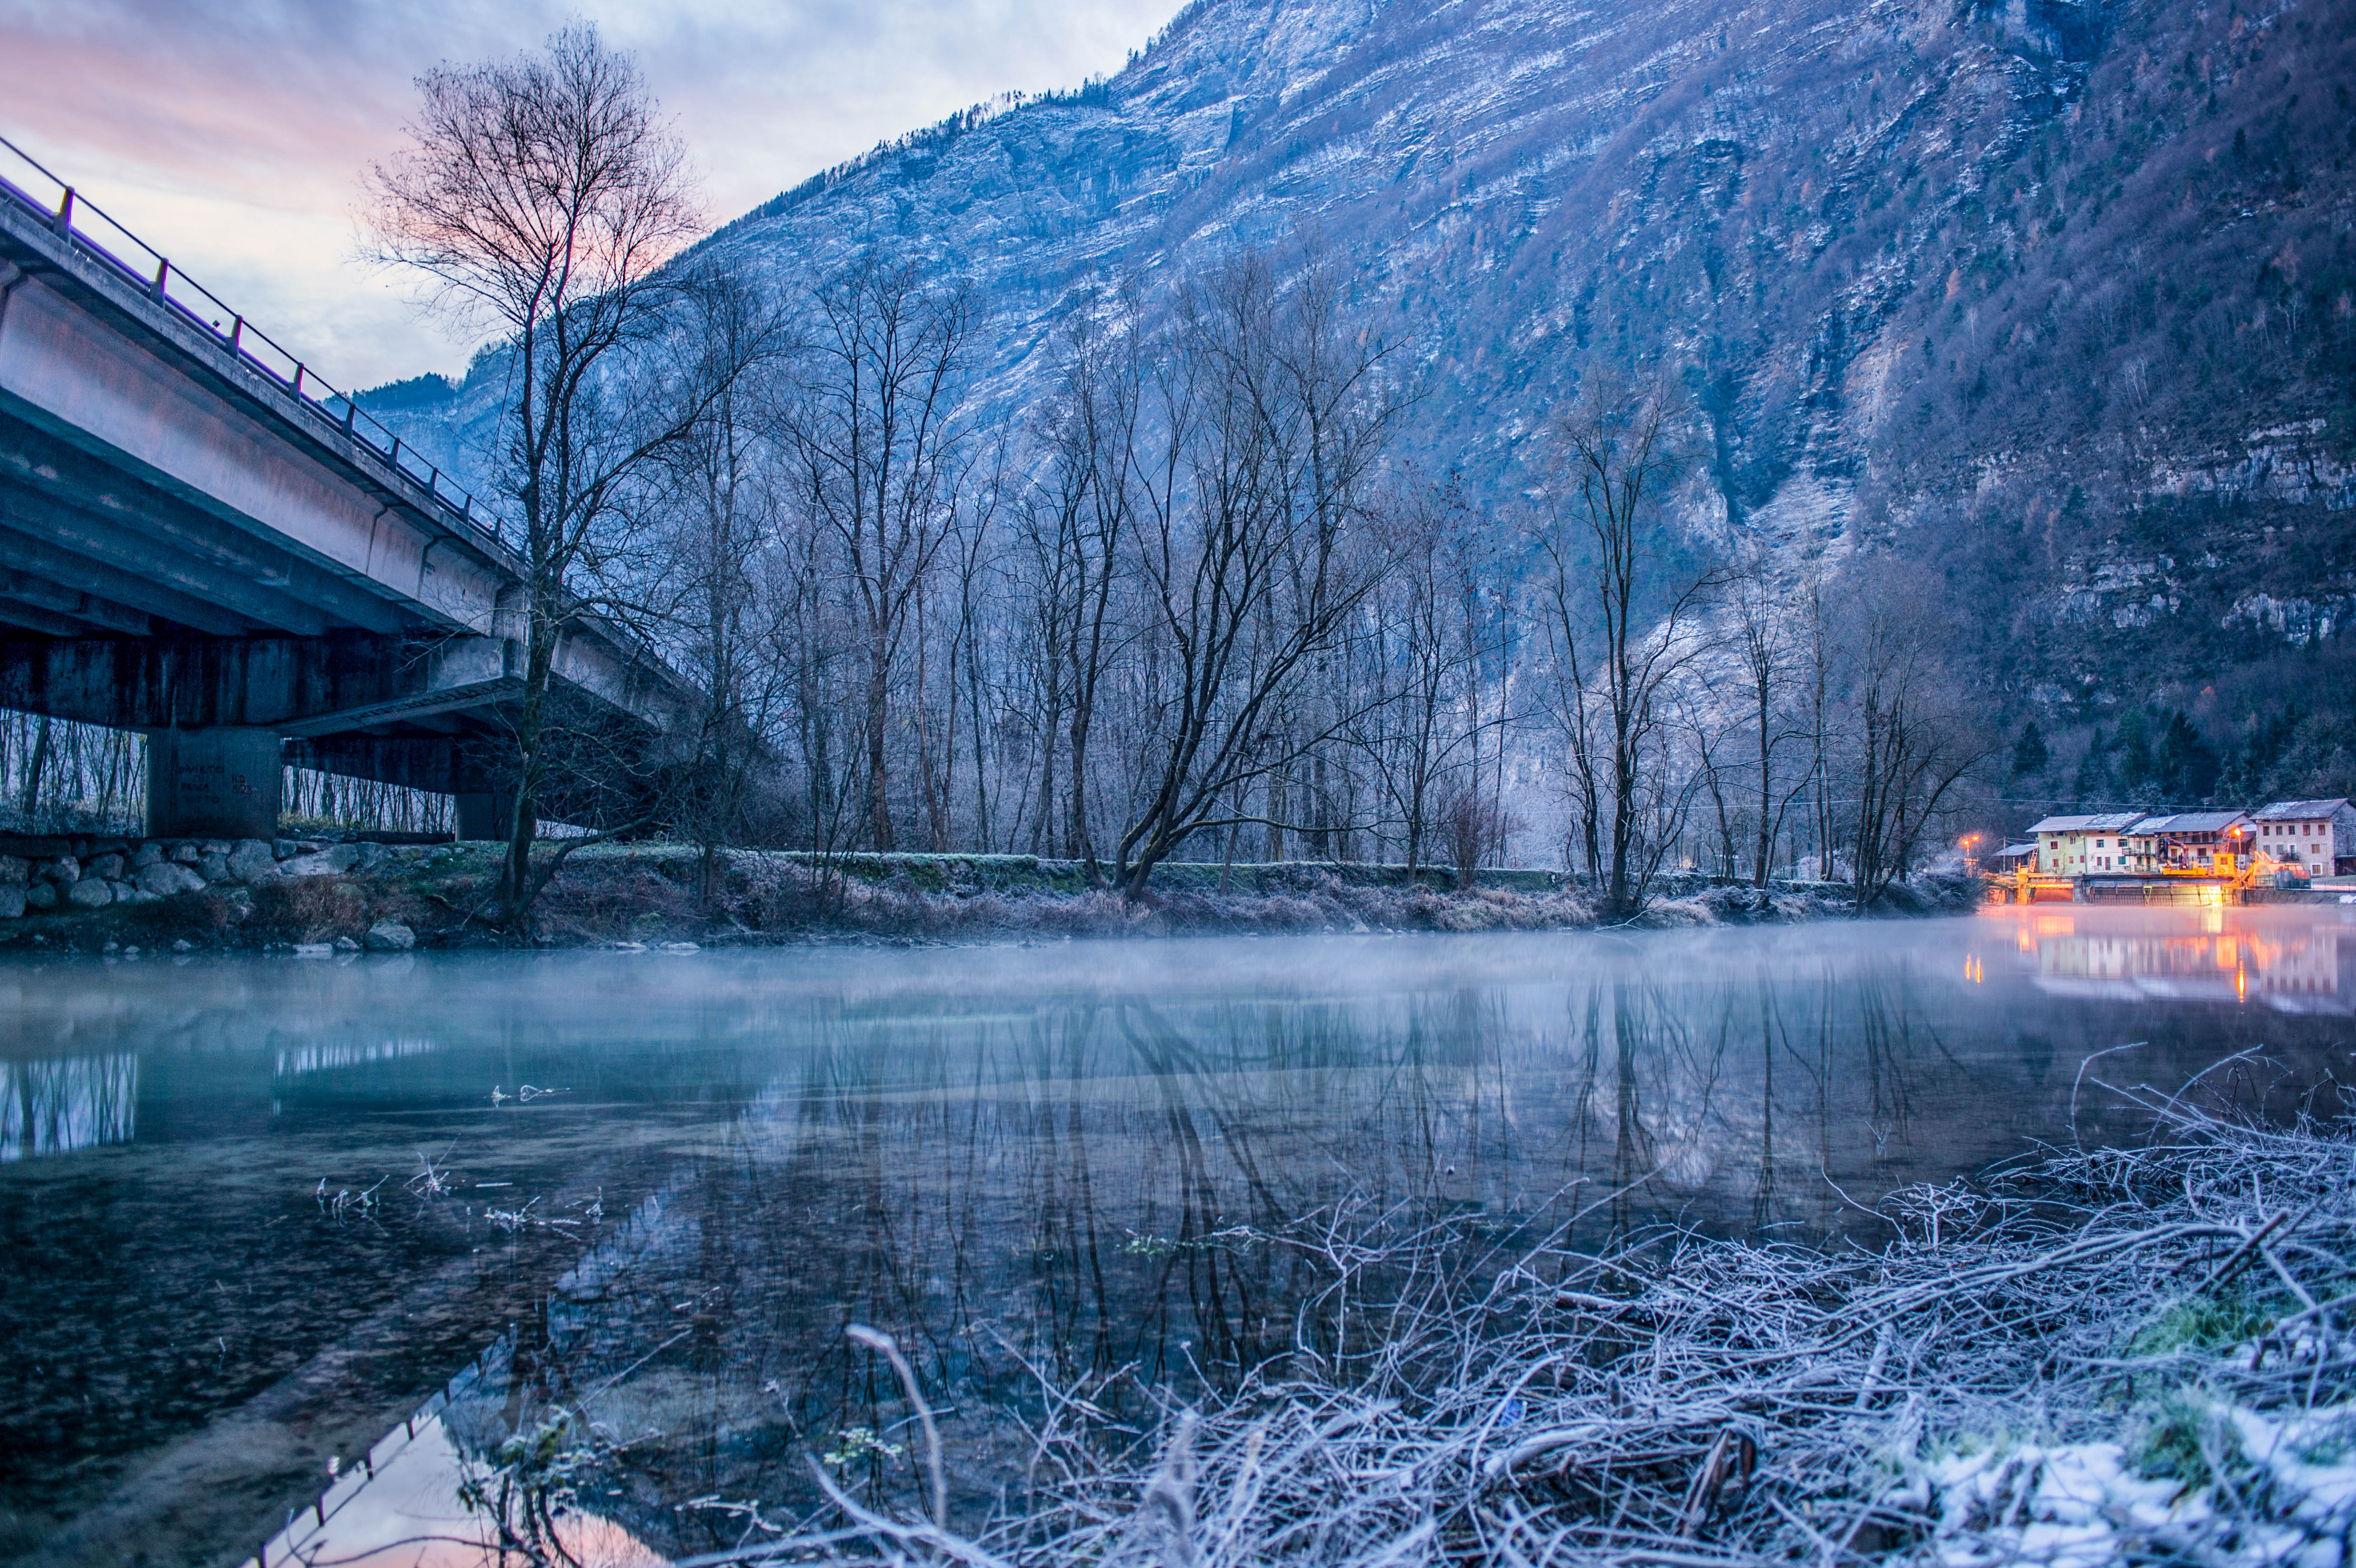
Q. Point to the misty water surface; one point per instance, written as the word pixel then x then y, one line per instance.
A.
pixel 666 1182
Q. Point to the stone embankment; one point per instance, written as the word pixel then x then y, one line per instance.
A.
pixel 62 876
pixel 324 893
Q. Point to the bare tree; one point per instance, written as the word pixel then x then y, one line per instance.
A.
pixel 875 433
pixel 717 591
pixel 1429 650
pixel 1079 524
pixel 1620 623
pixel 1253 552
pixel 1762 635
pixel 539 197
pixel 1913 740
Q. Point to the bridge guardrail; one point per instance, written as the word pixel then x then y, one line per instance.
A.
pixel 74 219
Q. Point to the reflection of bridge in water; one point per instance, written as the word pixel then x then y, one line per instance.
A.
pixel 2219 959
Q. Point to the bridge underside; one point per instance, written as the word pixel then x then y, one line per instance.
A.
pixel 423 711
pixel 90 547
pixel 193 545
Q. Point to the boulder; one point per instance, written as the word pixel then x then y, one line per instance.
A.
pixel 108 866
pixel 346 944
pixel 132 893
pixel 217 846
pixel 13 872
pixel 65 871
pixel 12 899
pixel 146 856
pixel 344 857
pixel 89 892
pixel 41 895
pixel 187 854
pixel 165 878
pixel 390 936
pixel 213 868
pixel 285 848
pixel 252 861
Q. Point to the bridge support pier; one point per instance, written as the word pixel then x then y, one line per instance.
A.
pixel 215 782
pixel 484 791
pixel 485 814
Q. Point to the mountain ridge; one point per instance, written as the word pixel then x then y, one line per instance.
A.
pixel 2051 296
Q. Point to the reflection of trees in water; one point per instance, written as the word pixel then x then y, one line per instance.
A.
pixel 1091 1186
pixel 62 1103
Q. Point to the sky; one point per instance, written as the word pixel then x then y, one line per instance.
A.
pixel 231 136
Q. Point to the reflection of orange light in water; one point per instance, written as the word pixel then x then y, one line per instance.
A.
pixel 2026 940
pixel 2056 924
pixel 1974 970
pixel 2241 985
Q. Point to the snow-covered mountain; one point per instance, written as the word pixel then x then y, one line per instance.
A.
pixel 2054 294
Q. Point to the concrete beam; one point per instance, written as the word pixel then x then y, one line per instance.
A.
pixel 39 558
pixel 76 483
pixel 70 528
pixel 208 682
pixel 410 763
pixel 32 619
pixel 346 683
pixel 98 373
pixel 100 615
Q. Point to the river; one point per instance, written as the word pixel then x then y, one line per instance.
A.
pixel 290 1243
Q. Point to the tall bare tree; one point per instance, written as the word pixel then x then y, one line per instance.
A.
pixel 1076 526
pixel 876 435
pixel 1913 740
pixel 719 594
pixel 539 196
pixel 1621 624
pixel 1431 654
pixel 1764 631
pixel 1252 549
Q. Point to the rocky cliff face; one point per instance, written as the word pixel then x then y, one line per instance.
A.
pixel 2054 295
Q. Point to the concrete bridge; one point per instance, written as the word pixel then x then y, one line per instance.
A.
pixel 202 540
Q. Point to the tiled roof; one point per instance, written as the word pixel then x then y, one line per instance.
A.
pixel 2113 821
pixel 2285 810
pixel 2191 822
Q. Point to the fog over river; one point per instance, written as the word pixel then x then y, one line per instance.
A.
pixel 267 1216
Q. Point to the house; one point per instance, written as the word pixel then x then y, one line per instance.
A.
pixel 2083 845
pixel 2316 836
pixel 2216 842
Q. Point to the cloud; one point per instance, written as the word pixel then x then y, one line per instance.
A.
pixel 230 135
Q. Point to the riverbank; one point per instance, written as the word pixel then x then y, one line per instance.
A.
pixel 186 895
pixel 2120 1355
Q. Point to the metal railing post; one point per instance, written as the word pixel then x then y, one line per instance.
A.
pixel 236 336
pixel 63 222
pixel 163 274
